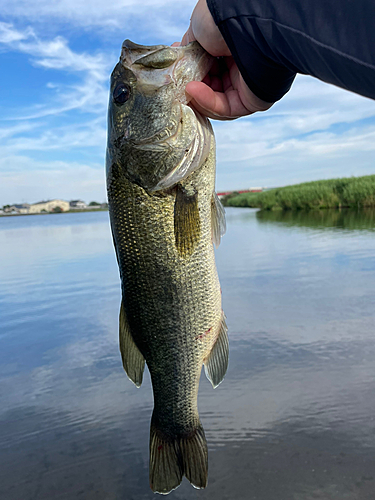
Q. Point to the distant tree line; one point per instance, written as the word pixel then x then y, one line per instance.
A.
pixel 333 193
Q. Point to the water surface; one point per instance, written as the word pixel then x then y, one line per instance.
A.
pixel 294 417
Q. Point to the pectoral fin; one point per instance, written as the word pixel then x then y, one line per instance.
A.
pixel 132 359
pixel 216 363
pixel 187 224
pixel 217 220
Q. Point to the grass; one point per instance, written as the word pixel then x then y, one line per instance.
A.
pixel 333 193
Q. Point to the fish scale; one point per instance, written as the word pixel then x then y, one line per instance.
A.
pixel 171 316
pixel 167 300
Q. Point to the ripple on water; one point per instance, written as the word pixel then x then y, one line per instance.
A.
pixel 294 417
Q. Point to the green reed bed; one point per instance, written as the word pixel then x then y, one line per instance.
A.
pixel 332 193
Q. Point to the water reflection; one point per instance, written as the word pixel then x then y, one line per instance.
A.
pixel 294 417
pixel 345 219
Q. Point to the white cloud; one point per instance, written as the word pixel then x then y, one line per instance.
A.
pixel 90 134
pixel 56 54
pixel 295 115
pixel 317 131
pixel 31 180
pixel 11 131
pixel 314 105
pixel 9 35
pixel 169 18
pixel 247 142
pixel 91 72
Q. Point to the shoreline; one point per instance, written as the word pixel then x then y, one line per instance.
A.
pixel 55 213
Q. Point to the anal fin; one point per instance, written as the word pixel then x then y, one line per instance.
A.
pixel 216 363
pixel 132 359
pixel 218 223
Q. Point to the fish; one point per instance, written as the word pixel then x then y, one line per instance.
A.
pixel 166 218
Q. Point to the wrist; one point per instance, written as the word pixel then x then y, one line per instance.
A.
pixel 251 102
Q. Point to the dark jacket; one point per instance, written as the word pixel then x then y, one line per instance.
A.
pixel 272 40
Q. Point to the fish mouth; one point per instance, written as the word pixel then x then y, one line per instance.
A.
pixel 155 66
pixel 183 72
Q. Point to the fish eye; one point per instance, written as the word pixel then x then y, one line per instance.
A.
pixel 121 93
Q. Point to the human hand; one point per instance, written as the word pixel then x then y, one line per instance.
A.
pixel 223 93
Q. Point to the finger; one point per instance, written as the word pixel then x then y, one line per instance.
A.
pixel 249 99
pixel 217 105
pixel 188 37
pixel 208 114
pixel 216 84
pixel 176 44
pixel 207 79
pixel 205 97
pixel 228 83
pixel 229 73
pixel 216 68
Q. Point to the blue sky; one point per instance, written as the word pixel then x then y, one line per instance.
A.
pixel 56 58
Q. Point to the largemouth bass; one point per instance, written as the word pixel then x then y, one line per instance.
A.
pixel 165 216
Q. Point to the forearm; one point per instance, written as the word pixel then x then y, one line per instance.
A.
pixel 272 40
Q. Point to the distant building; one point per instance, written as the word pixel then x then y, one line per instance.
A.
pixel 48 206
pixel 18 209
pixel 77 205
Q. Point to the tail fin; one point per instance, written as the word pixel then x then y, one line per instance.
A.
pixel 171 458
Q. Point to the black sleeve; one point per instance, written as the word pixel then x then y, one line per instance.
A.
pixel 272 40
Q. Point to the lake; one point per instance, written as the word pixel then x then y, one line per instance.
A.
pixel 294 418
